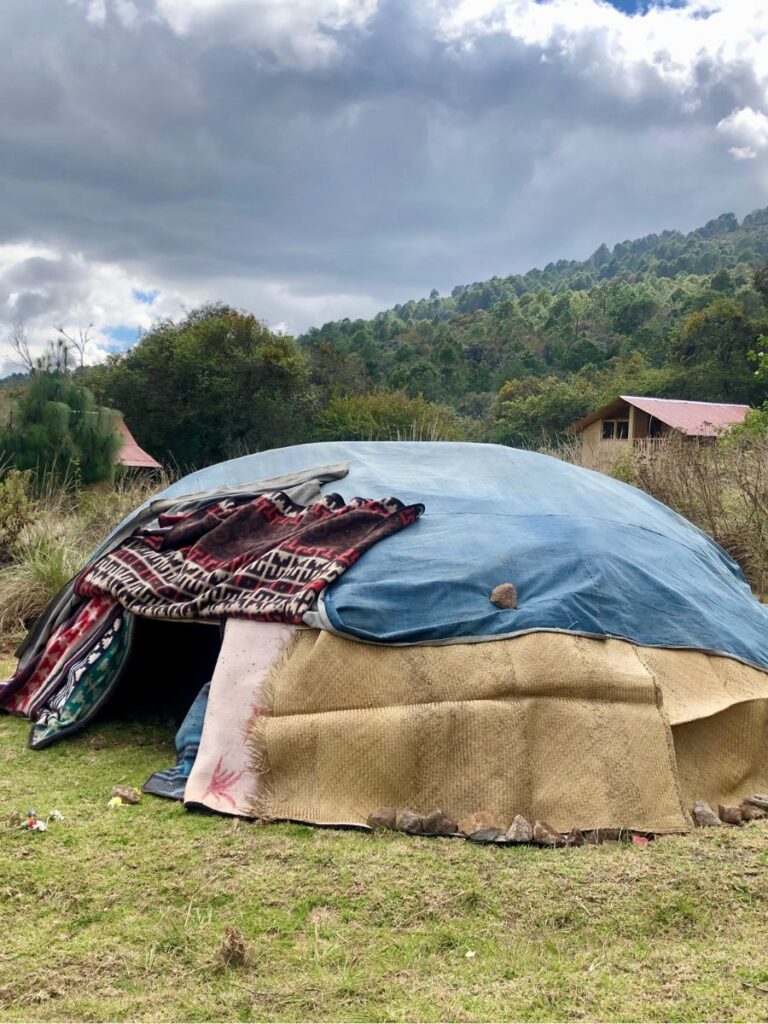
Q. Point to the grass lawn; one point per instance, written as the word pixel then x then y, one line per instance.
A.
pixel 121 914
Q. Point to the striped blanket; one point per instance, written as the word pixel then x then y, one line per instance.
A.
pixel 266 558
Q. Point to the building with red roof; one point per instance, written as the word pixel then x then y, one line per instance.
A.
pixel 130 454
pixel 632 420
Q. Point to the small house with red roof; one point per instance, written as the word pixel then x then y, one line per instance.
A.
pixel 130 454
pixel 636 421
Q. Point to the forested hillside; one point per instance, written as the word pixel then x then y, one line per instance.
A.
pixel 668 314
pixel 512 360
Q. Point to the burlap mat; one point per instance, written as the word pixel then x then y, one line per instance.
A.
pixel 552 726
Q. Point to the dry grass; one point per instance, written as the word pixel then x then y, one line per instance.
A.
pixel 720 487
pixel 66 529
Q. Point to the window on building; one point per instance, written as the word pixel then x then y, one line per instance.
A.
pixel 617 430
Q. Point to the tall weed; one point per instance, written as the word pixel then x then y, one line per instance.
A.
pixel 64 527
pixel 48 553
pixel 720 486
pixel 17 511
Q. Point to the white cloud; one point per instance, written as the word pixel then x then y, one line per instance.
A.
pixel 742 153
pixel 127 12
pixel 295 31
pixel 671 40
pixel 749 128
pixel 272 15
pixel 43 289
pixel 97 11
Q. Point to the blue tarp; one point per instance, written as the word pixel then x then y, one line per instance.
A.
pixel 586 553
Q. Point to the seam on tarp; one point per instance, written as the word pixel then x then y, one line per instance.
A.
pixel 323 622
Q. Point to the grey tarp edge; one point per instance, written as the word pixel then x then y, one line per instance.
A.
pixel 318 619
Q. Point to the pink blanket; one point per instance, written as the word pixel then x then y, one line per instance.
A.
pixel 222 778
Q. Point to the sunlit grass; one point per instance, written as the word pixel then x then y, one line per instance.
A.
pixel 121 914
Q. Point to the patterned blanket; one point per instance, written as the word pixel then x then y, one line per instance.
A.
pixel 267 558
pixel 29 691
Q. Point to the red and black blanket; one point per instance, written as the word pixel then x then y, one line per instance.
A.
pixel 267 558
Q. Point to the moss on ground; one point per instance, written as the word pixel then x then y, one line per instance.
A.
pixel 123 914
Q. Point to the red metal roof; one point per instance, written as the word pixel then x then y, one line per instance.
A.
pixel 130 454
pixel 697 419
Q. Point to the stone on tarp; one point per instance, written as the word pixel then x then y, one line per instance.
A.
pixel 383 817
pixel 545 835
pixel 439 824
pixel 520 831
pixel 410 823
pixel 504 596
pixel 730 814
pixel 703 815
pixel 477 822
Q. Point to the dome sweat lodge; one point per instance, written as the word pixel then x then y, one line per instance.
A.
pixel 417 626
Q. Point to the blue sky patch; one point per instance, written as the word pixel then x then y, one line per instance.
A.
pixel 122 337
pixel 640 6
pixel 146 298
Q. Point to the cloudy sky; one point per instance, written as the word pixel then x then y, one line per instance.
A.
pixel 311 159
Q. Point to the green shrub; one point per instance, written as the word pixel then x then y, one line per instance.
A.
pixel 17 510
pixel 57 429
pixel 623 466
pixel 390 416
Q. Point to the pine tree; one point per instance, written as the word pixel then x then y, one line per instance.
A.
pixel 58 429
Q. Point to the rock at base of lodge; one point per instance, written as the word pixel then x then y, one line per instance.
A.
pixel 751 813
pixel 477 822
pixel 545 835
pixel 731 815
pixel 383 817
pixel 758 800
pixel 485 835
pixel 575 838
pixel 597 836
pixel 128 794
pixel 409 822
pixel 520 831
pixel 703 815
pixel 439 824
